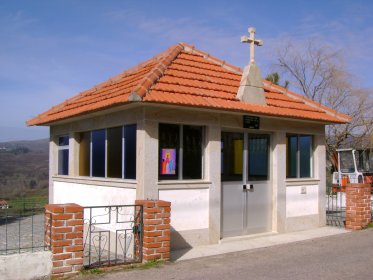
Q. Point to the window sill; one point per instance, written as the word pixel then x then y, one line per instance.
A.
pixel 183 184
pixel 301 181
pixel 106 182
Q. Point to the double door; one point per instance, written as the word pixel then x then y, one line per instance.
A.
pixel 246 184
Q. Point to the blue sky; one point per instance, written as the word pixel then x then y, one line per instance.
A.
pixel 52 50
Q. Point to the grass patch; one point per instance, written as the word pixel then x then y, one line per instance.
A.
pixel 92 271
pixel 150 264
pixel 113 269
pixel 28 202
pixel 370 225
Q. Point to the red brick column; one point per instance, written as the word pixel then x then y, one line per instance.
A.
pixel 64 237
pixel 358 207
pixel 157 229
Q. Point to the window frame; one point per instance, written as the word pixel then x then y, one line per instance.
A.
pixel 123 153
pixel 298 159
pixel 63 148
pixel 180 151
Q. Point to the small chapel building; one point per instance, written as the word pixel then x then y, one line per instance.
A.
pixel 233 153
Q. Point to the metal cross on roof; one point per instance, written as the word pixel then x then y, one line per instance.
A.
pixel 252 41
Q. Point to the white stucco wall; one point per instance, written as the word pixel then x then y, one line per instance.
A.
pixel 25 266
pixel 92 195
pixel 302 204
pixel 189 208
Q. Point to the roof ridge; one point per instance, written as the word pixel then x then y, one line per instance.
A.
pixel 209 57
pixel 307 101
pixel 139 92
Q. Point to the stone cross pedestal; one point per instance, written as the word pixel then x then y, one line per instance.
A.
pixel 251 85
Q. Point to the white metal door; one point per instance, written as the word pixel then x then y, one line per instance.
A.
pixel 246 187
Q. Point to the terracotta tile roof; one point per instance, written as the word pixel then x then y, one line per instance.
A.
pixel 185 76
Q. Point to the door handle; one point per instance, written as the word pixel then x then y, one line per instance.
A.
pixel 250 188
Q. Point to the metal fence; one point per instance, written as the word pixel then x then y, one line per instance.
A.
pixel 22 230
pixel 336 206
pixel 113 235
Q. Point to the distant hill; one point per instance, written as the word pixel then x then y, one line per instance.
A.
pixel 24 168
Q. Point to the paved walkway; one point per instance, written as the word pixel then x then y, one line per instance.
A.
pixel 343 257
pixel 243 243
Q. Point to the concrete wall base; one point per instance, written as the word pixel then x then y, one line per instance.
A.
pixel 189 238
pixel 302 223
pixel 25 266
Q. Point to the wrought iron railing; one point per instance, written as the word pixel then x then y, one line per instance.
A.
pixel 112 235
pixel 22 230
pixel 336 206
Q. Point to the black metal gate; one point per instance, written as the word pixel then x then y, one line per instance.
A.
pixel 112 235
pixel 336 206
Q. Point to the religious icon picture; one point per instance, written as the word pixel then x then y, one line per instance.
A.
pixel 168 161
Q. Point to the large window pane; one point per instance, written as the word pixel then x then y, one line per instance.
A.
pixel 299 156
pixel 98 153
pixel 84 154
pixel 231 156
pixel 114 152
pixel 169 139
pixel 258 158
pixel 192 152
pixel 305 143
pixel 63 155
pixel 292 148
pixel 130 152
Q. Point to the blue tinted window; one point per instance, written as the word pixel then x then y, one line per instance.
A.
pixel 258 157
pixel 98 153
pixel 305 156
pixel 63 155
pixel 63 162
pixel 114 152
pixel 299 153
pixel 292 156
pixel 130 152
pixel 63 141
pixel 192 152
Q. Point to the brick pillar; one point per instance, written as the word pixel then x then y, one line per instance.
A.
pixel 358 207
pixel 64 237
pixel 157 229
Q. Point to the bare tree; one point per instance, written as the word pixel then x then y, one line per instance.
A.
pixel 319 73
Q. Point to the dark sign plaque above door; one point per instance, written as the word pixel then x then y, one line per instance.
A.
pixel 251 122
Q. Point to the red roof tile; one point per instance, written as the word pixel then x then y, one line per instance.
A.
pixel 185 76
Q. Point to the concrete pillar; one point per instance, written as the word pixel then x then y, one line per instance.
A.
pixel 64 237
pixel 147 159
pixel 157 229
pixel 358 206
pixel 319 172
pixel 53 164
pixel 74 154
pixel 278 181
pixel 213 170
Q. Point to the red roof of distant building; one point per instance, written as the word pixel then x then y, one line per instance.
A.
pixel 3 202
pixel 187 77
